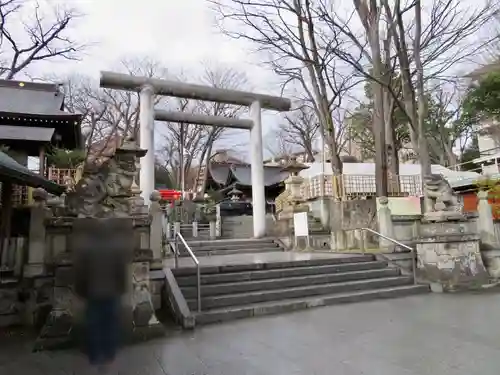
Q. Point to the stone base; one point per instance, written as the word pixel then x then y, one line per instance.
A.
pixel 443 216
pixel 288 212
pixel 64 325
pixel 451 259
pixel 491 259
pixel 302 244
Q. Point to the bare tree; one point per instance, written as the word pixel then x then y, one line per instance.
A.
pixel 194 144
pixel 108 115
pixel 299 49
pixel 277 145
pixel 45 36
pixel 301 128
pixel 425 49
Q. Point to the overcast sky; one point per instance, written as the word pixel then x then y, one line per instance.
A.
pixel 179 33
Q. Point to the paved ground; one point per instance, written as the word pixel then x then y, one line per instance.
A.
pixel 431 334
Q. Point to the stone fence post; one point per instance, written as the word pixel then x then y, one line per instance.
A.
pixel 213 230
pixel 156 230
pixel 485 225
pixel 177 227
pixel 385 225
pixel 218 221
pixel 34 265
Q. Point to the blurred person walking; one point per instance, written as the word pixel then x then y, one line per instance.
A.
pixel 102 250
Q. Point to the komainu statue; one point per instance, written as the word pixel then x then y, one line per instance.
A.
pixel 444 203
pixel 105 191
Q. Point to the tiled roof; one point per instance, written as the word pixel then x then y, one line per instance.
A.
pixel 20 175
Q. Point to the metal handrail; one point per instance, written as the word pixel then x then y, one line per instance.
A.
pixel 412 250
pixel 196 262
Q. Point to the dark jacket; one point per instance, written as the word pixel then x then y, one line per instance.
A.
pixel 102 255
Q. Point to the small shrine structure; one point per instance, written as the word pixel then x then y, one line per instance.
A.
pixel 32 122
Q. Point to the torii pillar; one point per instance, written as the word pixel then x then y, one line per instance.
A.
pixel 147 142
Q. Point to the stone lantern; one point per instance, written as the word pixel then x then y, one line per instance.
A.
pixel 235 194
pixel 128 154
pixel 293 183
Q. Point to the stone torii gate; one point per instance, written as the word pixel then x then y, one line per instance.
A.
pixel 149 87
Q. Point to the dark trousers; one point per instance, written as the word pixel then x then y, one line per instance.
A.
pixel 102 329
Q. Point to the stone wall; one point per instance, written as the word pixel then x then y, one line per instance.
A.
pixel 353 214
pixel 46 266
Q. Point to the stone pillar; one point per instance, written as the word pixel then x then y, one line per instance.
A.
pixel 36 241
pixel 145 323
pixel 147 142
pixel 218 222
pixel 325 211
pixel 385 226
pixel 156 230
pixel 213 230
pixel 195 229
pixel 168 229
pixel 485 223
pixel 257 161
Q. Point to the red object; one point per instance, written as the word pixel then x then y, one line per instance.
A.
pixel 471 201
pixel 170 195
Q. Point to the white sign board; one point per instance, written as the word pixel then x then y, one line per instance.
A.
pixel 300 224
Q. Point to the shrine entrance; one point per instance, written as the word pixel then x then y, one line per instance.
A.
pixel 149 87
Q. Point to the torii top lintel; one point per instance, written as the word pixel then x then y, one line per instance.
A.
pixel 119 81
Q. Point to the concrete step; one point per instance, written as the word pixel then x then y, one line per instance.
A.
pixel 238 241
pixel 235 299
pixel 279 265
pixel 289 305
pixel 209 252
pixel 209 245
pixel 230 244
pixel 190 292
pixel 231 277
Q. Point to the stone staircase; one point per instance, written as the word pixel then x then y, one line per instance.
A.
pixel 230 247
pixel 237 227
pixel 244 290
pixel 315 226
pixel 203 232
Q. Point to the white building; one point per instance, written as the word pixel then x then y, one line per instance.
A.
pixel 489 148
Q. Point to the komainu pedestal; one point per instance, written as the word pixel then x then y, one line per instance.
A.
pixel 448 257
pixel 102 196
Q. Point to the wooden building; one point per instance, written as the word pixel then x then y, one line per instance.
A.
pixel 222 177
pixel 32 122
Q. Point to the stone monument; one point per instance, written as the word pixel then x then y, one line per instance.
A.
pixel 105 193
pixel 448 252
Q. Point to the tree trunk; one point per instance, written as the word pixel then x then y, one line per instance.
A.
pixel 392 156
pixel 422 101
pixel 379 127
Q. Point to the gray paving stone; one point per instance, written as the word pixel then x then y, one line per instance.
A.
pixel 421 335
